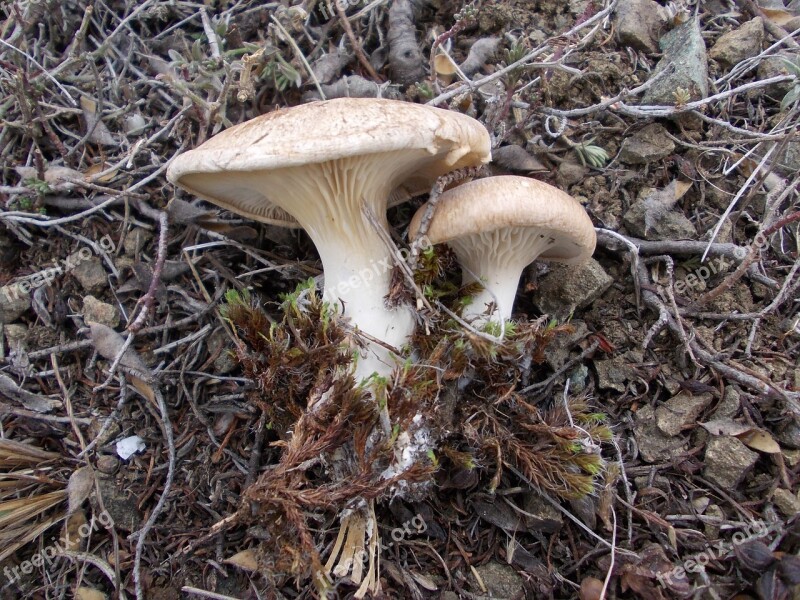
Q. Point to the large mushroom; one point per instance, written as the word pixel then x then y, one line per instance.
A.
pixel 329 165
pixel 499 225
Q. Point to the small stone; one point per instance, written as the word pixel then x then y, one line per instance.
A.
pixel 558 351
pixel 789 434
pixel 739 44
pixel 786 501
pixel 91 275
pixel 95 310
pixel 685 49
pixel 711 528
pixel 728 407
pixel 614 373
pixel 654 446
pixel 570 173
pixel 578 378
pixel 647 145
pixel 16 335
pixel 135 240
pixel 220 344
pixel 681 412
pixel 107 464
pixel 501 580
pixel 14 301
pixel 120 504
pixel 639 23
pixel 569 287
pixel 773 66
pixel 727 462
pixel 545 518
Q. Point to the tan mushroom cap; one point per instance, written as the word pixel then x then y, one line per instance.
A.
pixel 326 131
pixel 508 201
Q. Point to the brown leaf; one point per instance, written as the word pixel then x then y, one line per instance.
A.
pixel 753 555
pixel 85 593
pixel 98 132
pixel 246 560
pixel 591 589
pixel 31 401
pixel 79 488
pixel 760 440
pixel 516 158
pixel 108 344
pixel 778 16
pixel 725 427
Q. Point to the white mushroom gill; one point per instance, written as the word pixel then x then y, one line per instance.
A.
pixel 327 199
pixel 496 259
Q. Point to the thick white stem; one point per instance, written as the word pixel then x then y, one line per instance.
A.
pixel 499 290
pixel 357 283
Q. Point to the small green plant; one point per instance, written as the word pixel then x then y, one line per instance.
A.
pixel 37 185
pixel 594 156
pixel 793 94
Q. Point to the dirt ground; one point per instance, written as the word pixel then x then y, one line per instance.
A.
pixel 636 434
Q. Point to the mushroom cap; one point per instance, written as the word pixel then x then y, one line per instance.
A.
pixel 327 131
pixel 509 201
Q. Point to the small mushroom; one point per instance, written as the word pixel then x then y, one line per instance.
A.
pixel 499 225
pixel 328 165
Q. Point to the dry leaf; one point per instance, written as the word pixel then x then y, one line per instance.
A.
pixel 99 168
pixel 108 344
pixel 84 593
pixel 31 401
pixel 79 488
pixel 71 533
pixel 98 132
pixel 659 202
pixel 53 176
pixel 725 427
pixel 760 440
pixel 424 581
pixel 246 559
pixel 778 16
pixel 516 158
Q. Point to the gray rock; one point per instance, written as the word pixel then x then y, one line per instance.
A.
pixel 684 48
pixel 558 350
pixel 654 446
pixel 14 301
pixel 639 23
pixel 739 44
pixel 727 462
pixel 220 344
pixel 135 240
pixel 578 378
pixel 96 310
pixel 789 434
pixel 570 173
pixel 647 145
pixel 680 412
pixel 615 373
pixel 773 66
pixel 120 504
pixel 16 335
pixel 669 225
pixel 91 275
pixel 786 501
pixel 546 518
pixel 500 580
pixel 728 406
pixel 569 287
